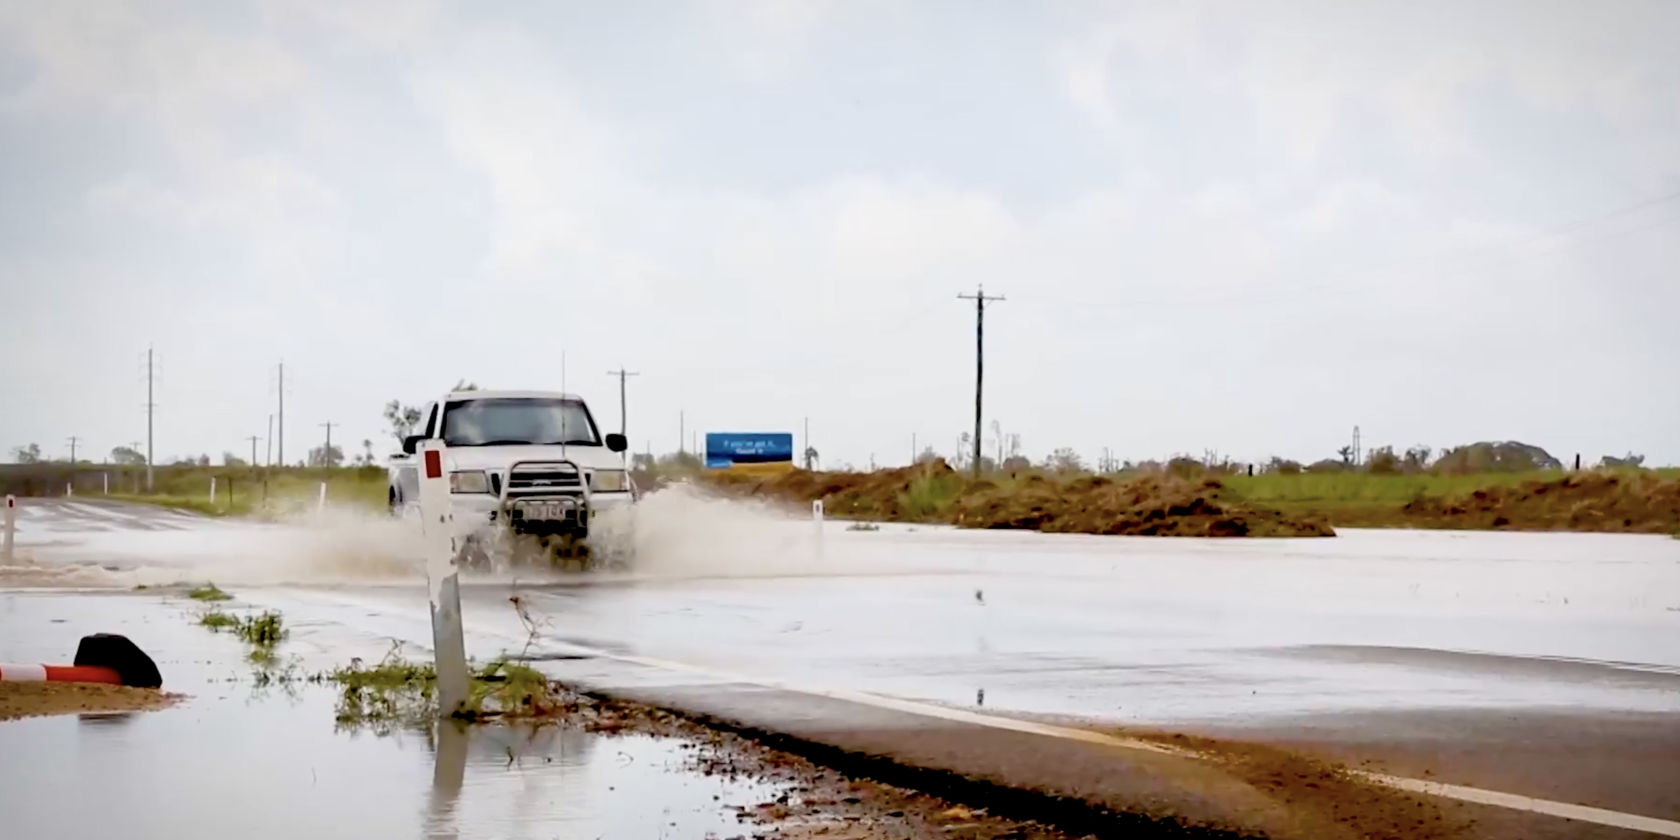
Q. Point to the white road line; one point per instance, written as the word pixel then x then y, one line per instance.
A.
pixel 1512 801
pixel 1582 813
pixel 1516 802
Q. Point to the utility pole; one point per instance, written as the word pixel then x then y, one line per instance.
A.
pixel 623 411
pixel 253 440
pixel 150 405
pixel 682 432
pixel 280 447
pixel 806 453
pixel 268 443
pixel 73 440
pixel 326 454
pixel 979 297
pixel 1356 446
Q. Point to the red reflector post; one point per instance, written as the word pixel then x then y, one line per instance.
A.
pixel 434 463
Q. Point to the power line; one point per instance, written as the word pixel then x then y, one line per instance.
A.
pixel 150 406
pixel 979 297
pixel 280 446
pixel 326 454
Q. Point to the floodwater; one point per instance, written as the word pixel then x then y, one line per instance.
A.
pixel 1134 630
pixel 239 760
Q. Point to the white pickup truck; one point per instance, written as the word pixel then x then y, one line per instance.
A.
pixel 528 470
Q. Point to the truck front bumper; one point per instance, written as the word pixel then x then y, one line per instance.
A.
pixel 480 513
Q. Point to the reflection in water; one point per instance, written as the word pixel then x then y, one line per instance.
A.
pixel 448 770
pixel 105 718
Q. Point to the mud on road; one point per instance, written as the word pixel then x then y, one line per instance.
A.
pixel 32 699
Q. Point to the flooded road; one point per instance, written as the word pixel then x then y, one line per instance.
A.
pixel 1487 659
pixel 267 761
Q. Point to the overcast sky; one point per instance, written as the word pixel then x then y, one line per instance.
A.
pixel 1244 226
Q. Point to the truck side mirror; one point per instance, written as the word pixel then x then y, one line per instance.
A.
pixel 617 442
pixel 411 443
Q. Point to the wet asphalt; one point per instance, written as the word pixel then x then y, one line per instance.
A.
pixel 1546 665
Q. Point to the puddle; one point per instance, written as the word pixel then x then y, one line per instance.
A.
pixel 238 760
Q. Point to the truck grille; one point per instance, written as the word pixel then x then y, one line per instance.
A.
pixel 527 480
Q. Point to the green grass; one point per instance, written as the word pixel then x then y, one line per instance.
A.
pixel 929 496
pixel 397 692
pixel 217 620
pixel 1362 489
pixel 208 592
pixel 264 630
pixel 242 491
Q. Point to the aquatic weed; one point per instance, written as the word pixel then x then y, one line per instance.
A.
pixel 207 592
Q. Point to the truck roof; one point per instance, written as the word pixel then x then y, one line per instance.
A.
pixel 487 394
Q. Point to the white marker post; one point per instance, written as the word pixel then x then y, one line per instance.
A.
pixel 321 503
pixel 817 517
pixel 69 489
pixel 443 582
pixel 212 491
pixel 11 525
pixel 107 481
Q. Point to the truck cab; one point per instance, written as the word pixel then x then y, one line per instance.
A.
pixel 532 466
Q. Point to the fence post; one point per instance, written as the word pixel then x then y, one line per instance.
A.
pixel 443 583
pixel 11 525
pixel 817 517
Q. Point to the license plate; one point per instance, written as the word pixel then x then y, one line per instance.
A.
pixel 545 510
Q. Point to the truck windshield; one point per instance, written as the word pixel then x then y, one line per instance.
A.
pixel 498 421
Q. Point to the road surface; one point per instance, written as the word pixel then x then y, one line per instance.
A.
pixel 1544 666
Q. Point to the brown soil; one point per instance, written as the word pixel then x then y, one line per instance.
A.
pixel 1322 799
pixel 933 492
pixel 1643 503
pixel 33 699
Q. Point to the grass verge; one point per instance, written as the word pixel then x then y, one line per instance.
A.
pixel 208 592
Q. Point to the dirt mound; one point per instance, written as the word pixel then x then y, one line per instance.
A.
pixel 1643 503
pixel 933 492
pixel 1145 506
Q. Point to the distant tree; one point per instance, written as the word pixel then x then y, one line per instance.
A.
pixel 1283 466
pixel 1416 459
pixel 1346 453
pixel 127 456
pixel 464 385
pixel 231 460
pixel 1064 461
pixel 320 456
pixel 30 454
pixel 403 419
pixel 367 451
pixel 1016 464
pixel 927 455
pixel 1496 456
pixel 1184 466
pixel 1629 461
pixel 1383 461
pixel 1328 465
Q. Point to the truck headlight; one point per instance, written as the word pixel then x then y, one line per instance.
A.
pixel 469 481
pixel 607 481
